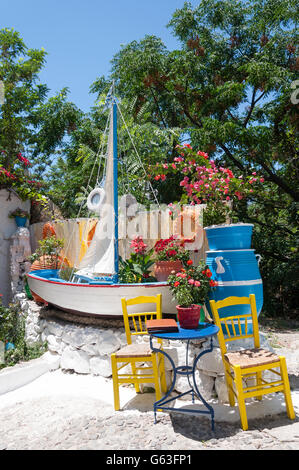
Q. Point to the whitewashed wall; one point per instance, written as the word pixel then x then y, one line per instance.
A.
pixel 8 202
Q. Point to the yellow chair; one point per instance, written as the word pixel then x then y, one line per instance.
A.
pixel 136 354
pixel 248 362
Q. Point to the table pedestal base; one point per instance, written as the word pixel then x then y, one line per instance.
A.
pixel 189 372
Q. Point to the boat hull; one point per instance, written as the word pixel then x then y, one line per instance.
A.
pixel 97 300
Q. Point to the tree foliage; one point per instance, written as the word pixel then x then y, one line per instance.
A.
pixel 228 89
pixel 31 127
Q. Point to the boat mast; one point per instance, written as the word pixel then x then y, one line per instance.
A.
pixel 115 186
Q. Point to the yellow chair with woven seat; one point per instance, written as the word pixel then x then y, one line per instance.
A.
pixel 248 362
pixel 136 354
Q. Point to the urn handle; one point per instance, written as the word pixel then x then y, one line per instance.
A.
pixel 220 268
pixel 258 257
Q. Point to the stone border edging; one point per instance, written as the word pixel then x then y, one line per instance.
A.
pixel 14 377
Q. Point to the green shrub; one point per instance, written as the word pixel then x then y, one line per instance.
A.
pixel 12 330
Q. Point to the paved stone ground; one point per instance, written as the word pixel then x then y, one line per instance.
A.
pixel 80 423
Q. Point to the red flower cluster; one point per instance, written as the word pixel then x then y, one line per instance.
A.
pixel 23 159
pixel 7 173
pixel 192 285
pixel 191 281
pixel 37 183
pixel 160 177
pixel 138 245
pixel 169 248
pixel 207 272
pixel 165 242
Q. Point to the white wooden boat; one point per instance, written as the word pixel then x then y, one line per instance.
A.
pixel 94 299
pixel 94 288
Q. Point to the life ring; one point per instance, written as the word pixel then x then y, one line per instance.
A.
pixel 95 199
pixel 48 230
pixel 188 218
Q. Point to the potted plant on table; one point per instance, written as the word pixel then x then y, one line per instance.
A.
pixel 190 288
pixel 20 216
pixel 170 256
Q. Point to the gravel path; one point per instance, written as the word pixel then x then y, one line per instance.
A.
pixel 53 424
pixel 68 423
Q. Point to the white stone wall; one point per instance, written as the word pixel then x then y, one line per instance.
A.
pixel 87 350
pixel 19 259
pixel 8 202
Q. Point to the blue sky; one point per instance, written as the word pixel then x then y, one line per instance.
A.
pixel 81 37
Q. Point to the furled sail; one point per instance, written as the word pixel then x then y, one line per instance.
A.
pixel 100 256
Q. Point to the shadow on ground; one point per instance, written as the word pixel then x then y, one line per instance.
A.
pixel 294 381
pixel 199 429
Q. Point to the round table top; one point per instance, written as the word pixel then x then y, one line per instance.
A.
pixel 204 330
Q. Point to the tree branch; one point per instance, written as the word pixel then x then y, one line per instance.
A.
pixel 279 181
pixel 233 117
pixel 158 107
pixel 231 157
pixel 197 124
pixel 253 103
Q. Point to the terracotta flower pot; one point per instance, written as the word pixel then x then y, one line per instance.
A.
pixel 189 317
pixel 163 269
pixel 48 262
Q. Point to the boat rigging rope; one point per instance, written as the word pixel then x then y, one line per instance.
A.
pixel 138 156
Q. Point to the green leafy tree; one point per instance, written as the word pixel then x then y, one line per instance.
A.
pixel 31 128
pixel 228 88
pixel 75 172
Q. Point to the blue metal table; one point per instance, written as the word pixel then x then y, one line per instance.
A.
pixel 203 331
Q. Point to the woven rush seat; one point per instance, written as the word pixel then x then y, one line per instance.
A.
pixel 249 362
pixel 136 350
pixel 251 357
pixel 147 366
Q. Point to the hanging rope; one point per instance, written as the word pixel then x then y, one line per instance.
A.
pixel 138 156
